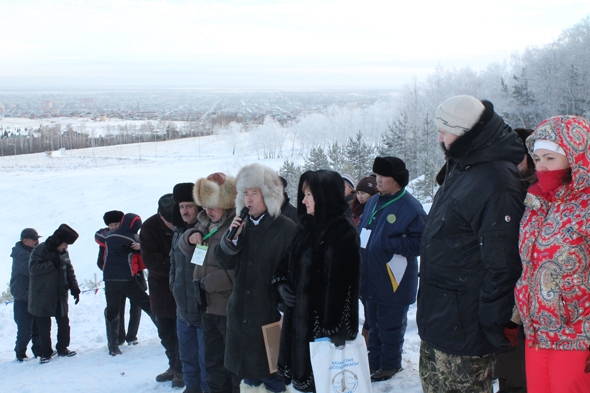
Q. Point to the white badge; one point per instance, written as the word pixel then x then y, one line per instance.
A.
pixel 365 235
pixel 199 255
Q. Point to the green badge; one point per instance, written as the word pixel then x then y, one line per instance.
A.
pixel 391 218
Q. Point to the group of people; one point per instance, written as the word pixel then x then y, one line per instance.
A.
pixel 504 267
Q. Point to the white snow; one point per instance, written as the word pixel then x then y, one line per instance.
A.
pixel 76 187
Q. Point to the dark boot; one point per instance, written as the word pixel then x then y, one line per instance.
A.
pixel 167 375
pixel 112 335
pixel 178 380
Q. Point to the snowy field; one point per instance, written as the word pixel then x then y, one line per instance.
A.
pixel 76 187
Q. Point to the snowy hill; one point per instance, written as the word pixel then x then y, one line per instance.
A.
pixel 76 187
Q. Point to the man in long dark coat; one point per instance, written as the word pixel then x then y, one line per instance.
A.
pixel 262 239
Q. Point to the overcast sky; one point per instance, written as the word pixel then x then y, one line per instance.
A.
pixel 264 43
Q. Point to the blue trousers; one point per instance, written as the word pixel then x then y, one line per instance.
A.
pixel 26 329
pixel 191 346
pixel 386 335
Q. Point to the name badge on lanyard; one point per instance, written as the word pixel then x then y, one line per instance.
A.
pixel 199 255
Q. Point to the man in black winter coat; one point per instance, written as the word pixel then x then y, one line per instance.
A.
pixel 156 241
pixel 26 329
pixel 469 250
pixel 51 276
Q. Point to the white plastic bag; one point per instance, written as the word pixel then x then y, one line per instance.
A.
pixel 343 370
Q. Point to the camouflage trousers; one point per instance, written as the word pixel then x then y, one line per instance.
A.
pixel 441 372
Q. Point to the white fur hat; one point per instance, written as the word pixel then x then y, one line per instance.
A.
pixel 458 114
pixel 216 190
pixel 264 178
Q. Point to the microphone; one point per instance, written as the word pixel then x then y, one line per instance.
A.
pixel 243 215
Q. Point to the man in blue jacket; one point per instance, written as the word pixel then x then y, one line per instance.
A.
pixel 390 230
pixel 26 329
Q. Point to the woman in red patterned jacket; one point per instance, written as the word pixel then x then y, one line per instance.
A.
pixel 553 293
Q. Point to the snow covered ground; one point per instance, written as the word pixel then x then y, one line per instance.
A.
pixel 76 187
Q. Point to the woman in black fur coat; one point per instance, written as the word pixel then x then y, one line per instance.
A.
pixel 319 278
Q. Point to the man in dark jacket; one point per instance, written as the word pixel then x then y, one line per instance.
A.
pixel 113 219
pixel 469 251
pixel 390 231
pixel 156 241
pixel 188 317
pixel 26 329
pixel 121 266
pixel 254 253
pixel 216 194
pixel 51 276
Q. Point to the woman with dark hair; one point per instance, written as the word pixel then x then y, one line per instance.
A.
pixel 553 292
pixel 319 278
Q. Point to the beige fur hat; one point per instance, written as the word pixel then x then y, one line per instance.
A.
pixel 216 190
pixel 264 178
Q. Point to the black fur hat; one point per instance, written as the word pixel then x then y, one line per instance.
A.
pixel 65 234
pixel 183 192
pixel 392 167
pixel 113 216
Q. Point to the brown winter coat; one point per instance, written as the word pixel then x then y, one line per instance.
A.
pixel 218 282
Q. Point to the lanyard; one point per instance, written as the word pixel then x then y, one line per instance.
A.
pixel 207 236
pixel 383 207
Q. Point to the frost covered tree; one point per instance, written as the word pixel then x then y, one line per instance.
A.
pixel 291 173
pixel 359 156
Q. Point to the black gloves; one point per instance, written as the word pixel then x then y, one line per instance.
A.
pixel 495 336
pixel 338 342
pixel 76 296
pixel 287 294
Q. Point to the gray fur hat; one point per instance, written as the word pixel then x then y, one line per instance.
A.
pixel 264 178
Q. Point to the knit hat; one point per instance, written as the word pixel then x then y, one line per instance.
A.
pixel 217 190
pixel 392 167
pixel 458 114
pixel 29 233
pixel 348 179
pixel 367 184
pixel 183 192
pixel 64 234
pixel 113 216
pixel 165 205
pixel 548 145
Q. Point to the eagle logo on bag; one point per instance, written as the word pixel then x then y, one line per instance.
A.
pixel 345 382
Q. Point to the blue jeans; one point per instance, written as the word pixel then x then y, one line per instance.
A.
pixel 26 329
pixel 386 335
pixel 274 383
pixel 191 345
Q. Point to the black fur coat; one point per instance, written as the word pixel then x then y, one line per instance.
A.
pixel 322 268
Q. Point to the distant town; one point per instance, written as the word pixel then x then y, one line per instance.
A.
pixel 178 105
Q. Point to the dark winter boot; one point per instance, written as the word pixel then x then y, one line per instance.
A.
pixel 178 380
pixel 112 335
pixel 167 375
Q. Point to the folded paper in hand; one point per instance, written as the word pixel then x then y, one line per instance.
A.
pixel 396 268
